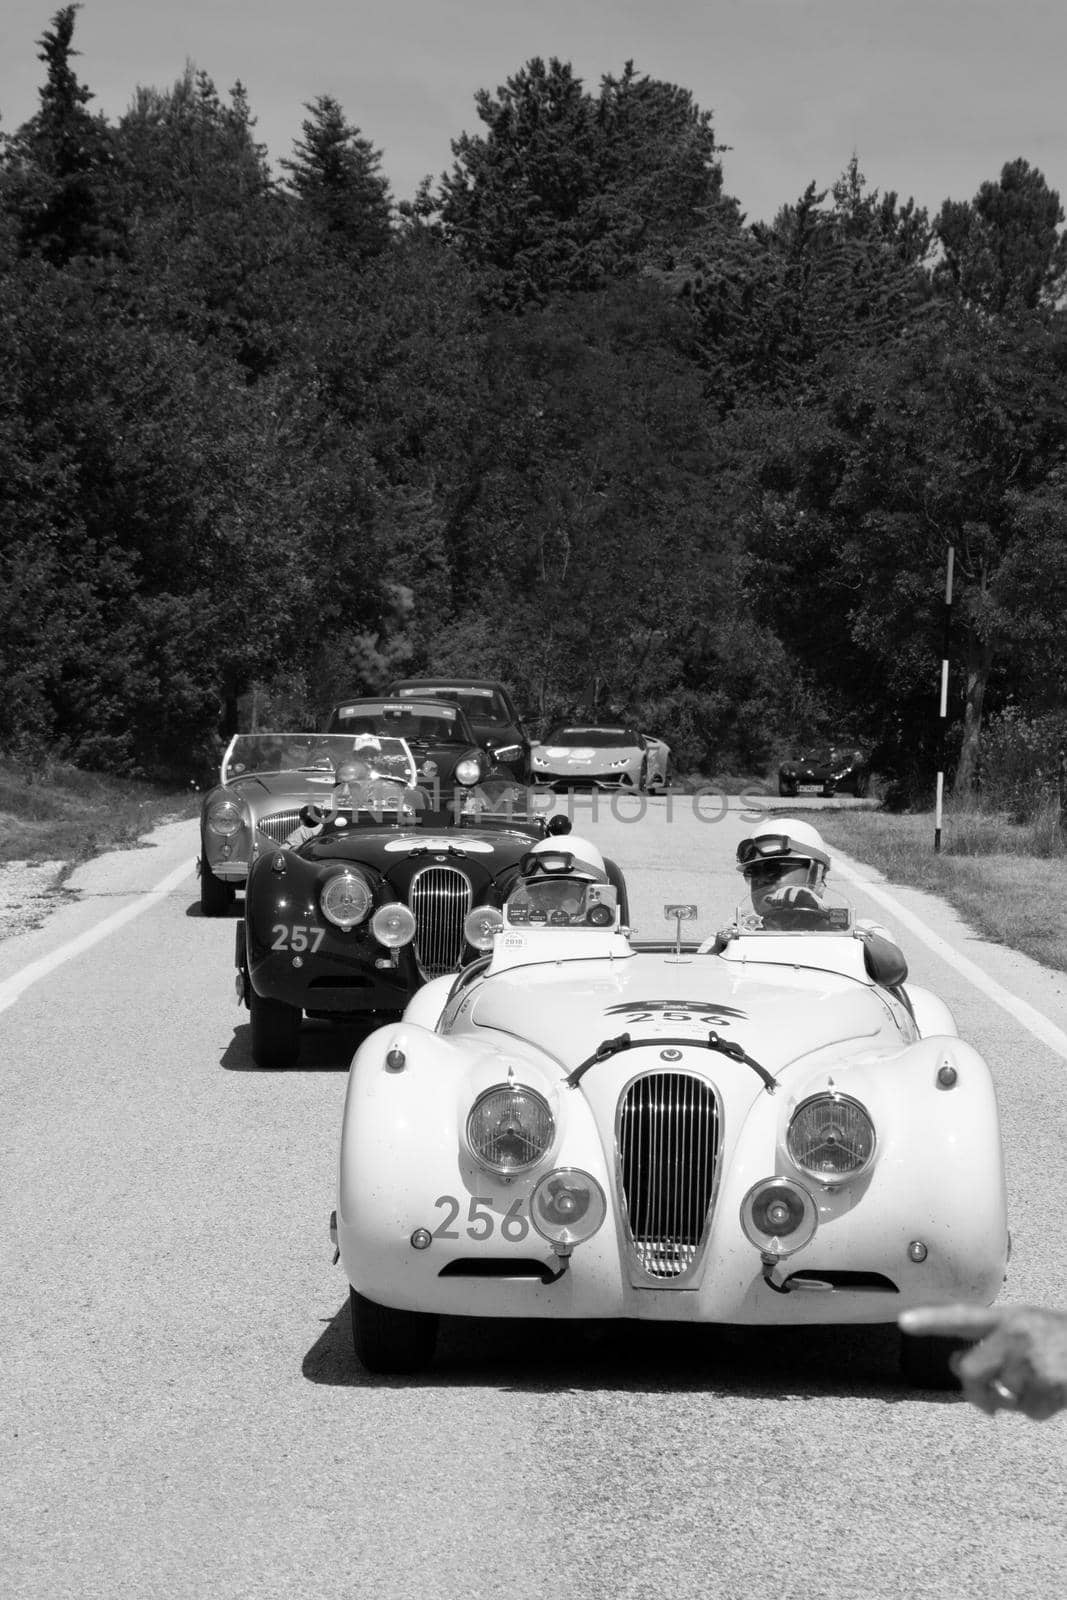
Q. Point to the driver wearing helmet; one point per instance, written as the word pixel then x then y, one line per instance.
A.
pixel 784 862
pixel 554 879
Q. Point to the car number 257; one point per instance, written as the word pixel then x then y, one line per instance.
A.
pixel 481 1222
pixel 297 937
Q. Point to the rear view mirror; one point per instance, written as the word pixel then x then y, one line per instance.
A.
pixel 884 961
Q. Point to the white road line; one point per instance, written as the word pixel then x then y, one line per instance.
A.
pixel 1032 1020
pixel 11 988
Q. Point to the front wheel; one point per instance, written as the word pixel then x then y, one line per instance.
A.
pixel 216 896
pixel 391 1341
pixel 275 1032
pixel 861 785
pixel 786 790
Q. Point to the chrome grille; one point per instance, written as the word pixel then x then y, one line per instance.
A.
pixel 279 825
pixel 440 898
pixel 668 1142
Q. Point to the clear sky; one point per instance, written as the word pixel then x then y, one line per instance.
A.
pixel 932 96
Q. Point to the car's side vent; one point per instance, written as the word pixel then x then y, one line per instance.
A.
pixel 440 898
pixel 668 1134
pixel 279 825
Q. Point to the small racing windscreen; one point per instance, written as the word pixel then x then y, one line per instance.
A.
pixel 562 903
pixel 784 903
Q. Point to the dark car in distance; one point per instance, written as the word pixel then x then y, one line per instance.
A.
pixel 826 770
pixel 448 753
pixel 490 709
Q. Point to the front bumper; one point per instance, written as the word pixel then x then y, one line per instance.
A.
pixel 624 779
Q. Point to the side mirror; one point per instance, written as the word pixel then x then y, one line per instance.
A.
pixel 884 961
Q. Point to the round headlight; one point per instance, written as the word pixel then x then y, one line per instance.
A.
pixel 830 1138
pixel 393 925
pixel 510 1129
pixel 567 1206
pixel 469 770
pixel 345 899
pixel 225 818
pixel 778 1214
pixel 481 926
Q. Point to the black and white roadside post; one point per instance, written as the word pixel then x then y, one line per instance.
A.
pixel 943 711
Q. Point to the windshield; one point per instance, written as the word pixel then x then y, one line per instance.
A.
pixel 561 903
pixel 258 753
pixel 820 911
pixel 426 723
pixel 481 705
pixel 595 738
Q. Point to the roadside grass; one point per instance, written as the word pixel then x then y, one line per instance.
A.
pixel 1007 879
pixel 58 813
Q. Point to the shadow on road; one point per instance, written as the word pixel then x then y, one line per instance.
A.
pixel 324 1046
pixel 233 912
pixel 788 1364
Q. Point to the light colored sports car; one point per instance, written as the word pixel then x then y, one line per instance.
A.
pixel 581 1126
pixel 264 780
pixel 577 756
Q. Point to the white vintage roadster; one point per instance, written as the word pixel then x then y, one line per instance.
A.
pixel 580 1125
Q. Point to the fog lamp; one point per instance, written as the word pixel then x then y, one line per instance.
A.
pixel 481 926
pixel 778 1214
pixel 567 1206
pixel 393 925
pixel 468 771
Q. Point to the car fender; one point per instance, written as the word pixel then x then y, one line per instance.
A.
pixel 403 1157
pixel 932 1015
pixel 425 1009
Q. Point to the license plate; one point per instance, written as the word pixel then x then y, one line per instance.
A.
pixel 809 788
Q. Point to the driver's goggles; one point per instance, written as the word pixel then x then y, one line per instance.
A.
pixel 553 863
pixel 767 845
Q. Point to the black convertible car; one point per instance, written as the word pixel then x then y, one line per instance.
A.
pixel 373 903
pixel 448 755
pixel 826 771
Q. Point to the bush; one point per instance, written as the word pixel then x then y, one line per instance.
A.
pixel 1019 770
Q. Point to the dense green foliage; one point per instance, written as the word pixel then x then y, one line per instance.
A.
pixel 565 419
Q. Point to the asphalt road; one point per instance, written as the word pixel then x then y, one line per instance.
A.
pixel 180 1411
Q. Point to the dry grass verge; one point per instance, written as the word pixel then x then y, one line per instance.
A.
pixel 58 813
pixel 1008 880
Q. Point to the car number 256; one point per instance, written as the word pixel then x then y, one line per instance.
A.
pixel 481 1222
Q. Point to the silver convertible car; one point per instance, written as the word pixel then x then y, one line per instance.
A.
pixel 264 781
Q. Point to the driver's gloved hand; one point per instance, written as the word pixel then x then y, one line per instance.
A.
pixel 796 897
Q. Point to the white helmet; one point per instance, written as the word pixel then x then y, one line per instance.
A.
pixel 585 860
pixel 785 839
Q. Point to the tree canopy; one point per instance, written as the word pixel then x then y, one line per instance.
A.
pixel 269 438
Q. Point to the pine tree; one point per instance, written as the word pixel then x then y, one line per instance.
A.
pixel 335 174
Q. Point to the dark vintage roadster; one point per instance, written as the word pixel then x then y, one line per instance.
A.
pixel 353 920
